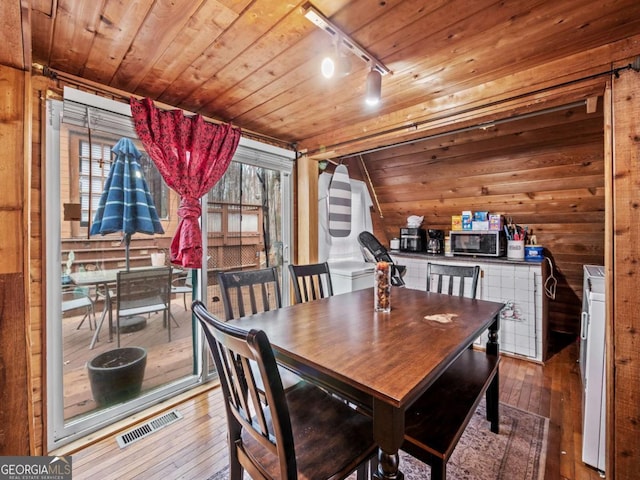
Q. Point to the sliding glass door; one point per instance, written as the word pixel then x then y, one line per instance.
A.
pixel 246 224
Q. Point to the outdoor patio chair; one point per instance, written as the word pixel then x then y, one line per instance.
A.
pixel 74 298
pixel 99 290
pixel 302 432
pixel 181 284
pixel 143 291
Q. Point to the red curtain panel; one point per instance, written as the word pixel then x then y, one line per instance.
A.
pixel 191 155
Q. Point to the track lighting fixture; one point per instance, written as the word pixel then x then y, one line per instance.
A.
pixel 338 63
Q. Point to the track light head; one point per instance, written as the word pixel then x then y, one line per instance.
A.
pixel 374 87
pixel 340 64
pixel 343 67
pixel 336 63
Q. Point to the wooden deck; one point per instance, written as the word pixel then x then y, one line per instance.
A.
pixel 195 447
pixel 166 361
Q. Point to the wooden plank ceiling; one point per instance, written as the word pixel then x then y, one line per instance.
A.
pixel 256 62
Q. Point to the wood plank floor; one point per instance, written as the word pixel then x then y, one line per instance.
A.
pixel 194 447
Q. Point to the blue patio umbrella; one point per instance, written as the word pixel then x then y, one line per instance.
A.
pixel 126 204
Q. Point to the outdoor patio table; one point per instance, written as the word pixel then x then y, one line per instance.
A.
pixel 102 278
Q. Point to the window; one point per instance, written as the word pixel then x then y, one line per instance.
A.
pixel 99 163
pixel 91 183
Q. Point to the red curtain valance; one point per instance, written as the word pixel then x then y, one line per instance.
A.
pixel 191 155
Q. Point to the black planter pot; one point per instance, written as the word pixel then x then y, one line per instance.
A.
pixel 116 375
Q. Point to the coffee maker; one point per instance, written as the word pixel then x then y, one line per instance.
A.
pixel 412 239
pixel 435 241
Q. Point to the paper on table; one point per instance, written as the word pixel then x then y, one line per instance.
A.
pixel 441 317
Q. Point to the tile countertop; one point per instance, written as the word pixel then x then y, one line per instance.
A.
pixel 463 258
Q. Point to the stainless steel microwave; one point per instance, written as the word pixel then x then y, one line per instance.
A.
pixel 488 243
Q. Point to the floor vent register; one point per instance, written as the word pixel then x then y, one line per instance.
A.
pixel 148 428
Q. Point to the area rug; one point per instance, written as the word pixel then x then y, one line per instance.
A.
pixel 518 452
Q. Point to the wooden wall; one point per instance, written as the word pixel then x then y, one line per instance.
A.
pixel 14 354
pixel 545 171
pixel 623 302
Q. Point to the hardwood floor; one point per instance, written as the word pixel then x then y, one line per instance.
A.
pixel 194 447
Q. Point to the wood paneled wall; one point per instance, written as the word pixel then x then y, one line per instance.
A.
pixel 623 352
pixel 545 171
pixel 14 378
pixel 37 257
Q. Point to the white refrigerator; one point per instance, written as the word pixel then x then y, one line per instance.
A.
pixel 592 367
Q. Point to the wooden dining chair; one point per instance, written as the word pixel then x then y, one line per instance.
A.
pixel 448 276
pixel 302 433
pixel 436 421
pixel 311 282
pixel 248 292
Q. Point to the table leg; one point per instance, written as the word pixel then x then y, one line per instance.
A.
pixel 98 327
pixel 388 432
pixel 493 392
pixel 493 347
pixel 107 308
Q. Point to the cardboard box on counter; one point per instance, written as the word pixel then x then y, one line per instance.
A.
pixel 480 225
pixel 533 253
pixel 480 217
pixel 456 222
pixel 495 222
pixel 466 220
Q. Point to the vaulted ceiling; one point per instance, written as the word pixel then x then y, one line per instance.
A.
pixel 256 62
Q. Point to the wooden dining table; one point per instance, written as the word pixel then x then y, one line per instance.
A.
pixel 381 362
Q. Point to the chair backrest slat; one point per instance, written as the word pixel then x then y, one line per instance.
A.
pixel 242 285
pixel 454 274
pixel 311 282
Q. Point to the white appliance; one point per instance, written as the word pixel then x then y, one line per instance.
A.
pixel 592 367
pixel 348 269
pixel 350 275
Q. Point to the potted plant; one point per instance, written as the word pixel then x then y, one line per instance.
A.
pixel 116 375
